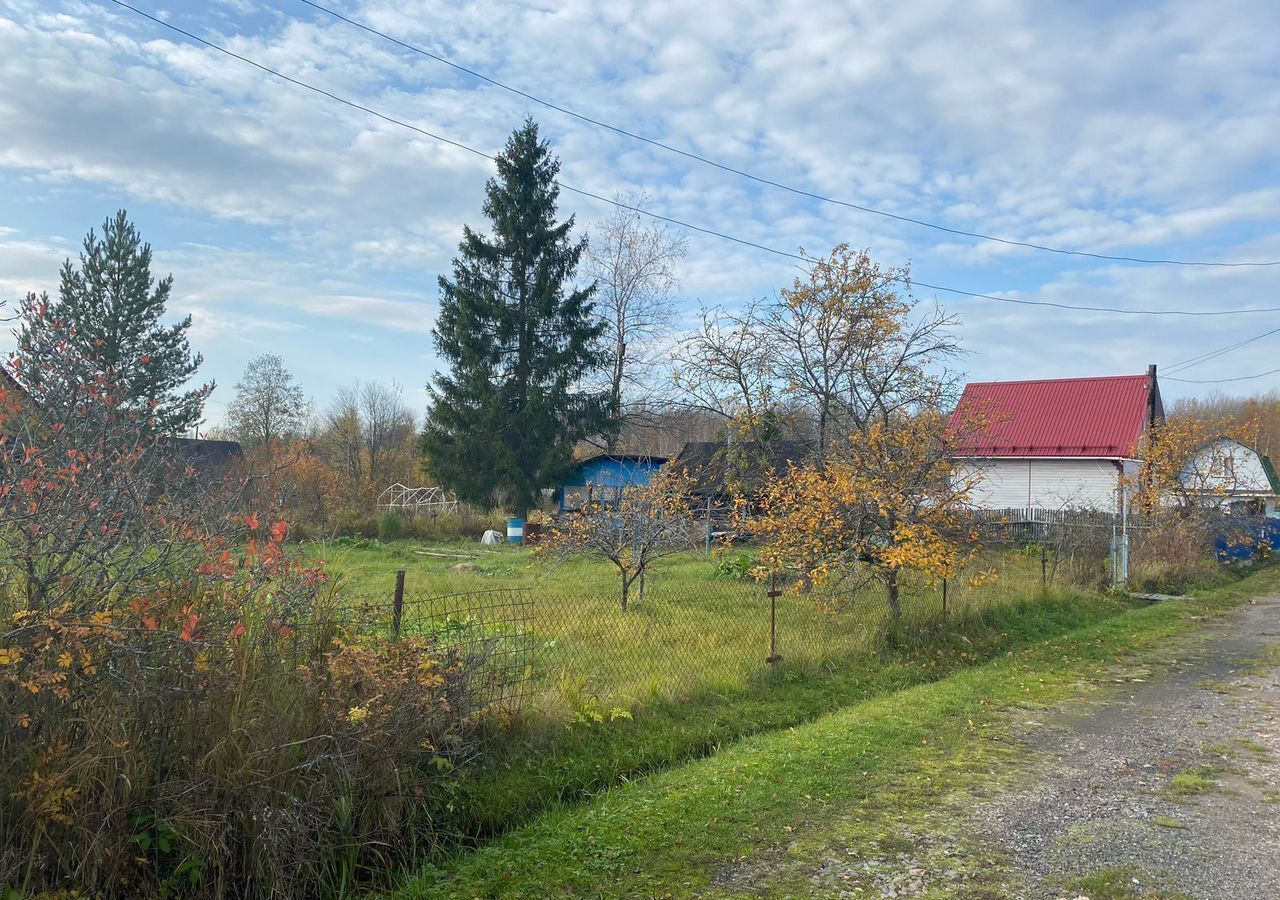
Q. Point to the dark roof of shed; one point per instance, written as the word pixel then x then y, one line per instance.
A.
pixel 622 457
pixel 9 383
pixel 707 462
pixel 202 453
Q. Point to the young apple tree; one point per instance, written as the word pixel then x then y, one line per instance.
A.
pixel 647 523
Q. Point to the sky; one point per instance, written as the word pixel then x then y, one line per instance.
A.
pixel 296 225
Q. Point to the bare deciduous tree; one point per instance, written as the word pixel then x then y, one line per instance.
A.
pixel 387 426
pixel 724 368
pixel 341 435
pixel 845 345
pixel 634 264
pixel 649 522
pixel 848 349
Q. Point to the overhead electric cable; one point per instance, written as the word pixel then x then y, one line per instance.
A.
pixel 1212 354
pixel 1224 380
pixel 661 218
pixel 696 157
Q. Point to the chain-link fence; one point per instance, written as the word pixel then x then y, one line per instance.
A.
pixel 561 639
pixel 1130 548
pixel 554 643
pixel 489 629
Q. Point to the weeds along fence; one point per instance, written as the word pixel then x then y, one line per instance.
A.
pixel 490 629
pixel 1135 549
pixel 559 649
pixel 208 743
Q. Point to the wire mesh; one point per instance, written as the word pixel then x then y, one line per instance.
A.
pixel 556 644
pixel 488 629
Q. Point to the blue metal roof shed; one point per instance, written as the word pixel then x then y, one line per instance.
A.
pixel 605 475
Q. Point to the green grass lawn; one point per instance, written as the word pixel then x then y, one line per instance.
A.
pixel 618 696
pixel 856 776
pixel 695 631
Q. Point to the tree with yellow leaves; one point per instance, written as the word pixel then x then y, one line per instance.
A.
pixel 849 345
pixel 1186 467
pixel 887 506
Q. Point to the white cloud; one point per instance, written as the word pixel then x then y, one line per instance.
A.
pixel 1146 131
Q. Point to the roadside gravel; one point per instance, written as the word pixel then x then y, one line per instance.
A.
pixel 1171 786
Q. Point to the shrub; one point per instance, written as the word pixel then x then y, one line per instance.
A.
pixel 738 566
pixel 221 735
pixel 389 526
pixel 1171 554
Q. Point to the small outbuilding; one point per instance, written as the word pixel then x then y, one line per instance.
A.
pixel 603 478
pixel 210 459
pixel 719 472
pixel 1232 475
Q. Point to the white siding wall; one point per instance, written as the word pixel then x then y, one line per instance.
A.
pixel 1245 474
pixel 1048 483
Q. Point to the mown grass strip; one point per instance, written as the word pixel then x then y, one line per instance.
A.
pixel 556 764
pixel 667 835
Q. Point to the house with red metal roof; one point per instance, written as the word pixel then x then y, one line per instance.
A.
pixel 1066 443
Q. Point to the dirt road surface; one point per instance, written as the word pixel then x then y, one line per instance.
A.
pixel 1168 788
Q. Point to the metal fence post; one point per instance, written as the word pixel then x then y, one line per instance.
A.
pixel 773 658
pixel 944 599
pixel 397 605
pixel 708 528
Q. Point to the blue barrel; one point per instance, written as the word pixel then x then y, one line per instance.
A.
pixel 515 530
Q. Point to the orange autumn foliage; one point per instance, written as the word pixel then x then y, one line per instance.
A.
pixel 888 507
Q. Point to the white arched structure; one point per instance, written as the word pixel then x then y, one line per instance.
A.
pixel 431 501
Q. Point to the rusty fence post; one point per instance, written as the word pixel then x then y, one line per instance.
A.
pixel 773 658
pixel 397 605
pixel 1044 576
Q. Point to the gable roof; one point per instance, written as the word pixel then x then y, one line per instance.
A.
pixel 9 383
pixel 614 469
pixel 1066 417
pixel 1270 471
pixel 1268 468
pixel 710 464
pixel 208 457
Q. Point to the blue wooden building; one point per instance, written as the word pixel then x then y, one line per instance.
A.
pixel 604 476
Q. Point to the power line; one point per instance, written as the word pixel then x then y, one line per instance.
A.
pixel 760 179
pixel 661 218
pixel 1205 357
pixel 1224 380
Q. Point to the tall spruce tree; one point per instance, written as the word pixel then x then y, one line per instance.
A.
pixel 518 338
pixel 110 307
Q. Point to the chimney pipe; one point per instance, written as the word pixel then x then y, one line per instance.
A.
pixel 1151 395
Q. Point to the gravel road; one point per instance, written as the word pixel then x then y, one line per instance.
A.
pixel 1170 786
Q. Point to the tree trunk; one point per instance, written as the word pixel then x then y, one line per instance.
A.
pixel 626 583
pixel 615 392
pixel 895 604
pixel 822 434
